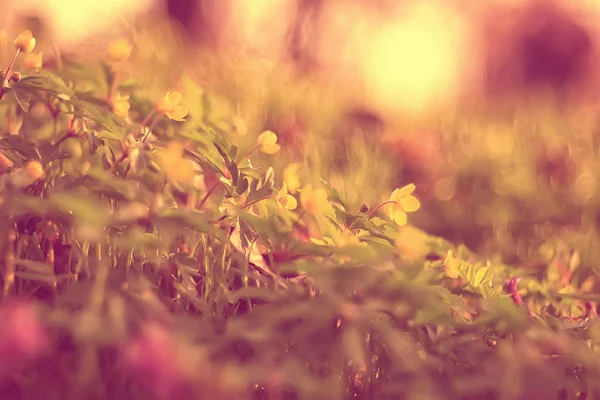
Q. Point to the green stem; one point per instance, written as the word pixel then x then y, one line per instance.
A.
pixel 258 200
pixel 373 211
pixel 113 86
pixel 7 73
pixel 251 151
pixel 205 198
pixel 145 121
pixel 152 127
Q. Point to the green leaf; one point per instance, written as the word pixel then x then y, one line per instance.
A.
pixel 233 152
pixel 35 266
pixel 480 276
pixel 242 186
pixel 83 208
pixel 45 81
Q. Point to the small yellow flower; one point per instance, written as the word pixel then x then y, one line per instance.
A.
pixel 121 106
pixel 412 243
pixel 290 177
pixel 34 170
pixel 348 238
pixel 170 107
pixel 119 50
pixel 286 201
pixel 267 142
pixel 33 60
pixel 174 165
pixel 404 202
pixel 314 201
pixel 239 125
pixel 451 265
pixel 25 42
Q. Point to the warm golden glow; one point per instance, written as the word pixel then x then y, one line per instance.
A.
pixel 416 62
pixel 260 24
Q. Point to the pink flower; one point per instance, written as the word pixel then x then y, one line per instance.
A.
pixel 152 358
pixel 22 338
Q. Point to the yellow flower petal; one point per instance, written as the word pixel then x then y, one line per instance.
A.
pixel 169 103
pixel 178 114
pixel 174 165
pixel 399 217
pixel 451 265
pixel 314 201
pixel 290 202
pixel 452 273
pixel 412 244
pixel 119 50
pixel 25 42
pixel 267 138
pixel 410 203
pixel 290 177
pixel 121 106
pixel 267 142
pixel 407 190
pixel 174 98
pixel 271 149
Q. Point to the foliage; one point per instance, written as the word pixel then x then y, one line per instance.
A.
pixel 151 256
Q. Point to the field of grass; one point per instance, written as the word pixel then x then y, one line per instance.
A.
pixel 198 234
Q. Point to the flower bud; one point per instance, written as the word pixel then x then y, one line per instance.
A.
pixel 15 76
pixel 267 142
pixel 34 170
pixel 119 50
pixel 25 42
pixel 121 106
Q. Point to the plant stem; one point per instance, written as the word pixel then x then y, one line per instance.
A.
pixel 145 121
pixel 258 200
pixel 7 73
pixel 251 151
pixel 152 127
pixel 205 198
pixel 374 210
pixel 117 162
pixel 113 86
pixel 9 262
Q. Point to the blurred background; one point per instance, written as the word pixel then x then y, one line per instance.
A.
pixel 489 106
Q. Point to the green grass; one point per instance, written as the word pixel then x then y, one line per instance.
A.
pixel 138 268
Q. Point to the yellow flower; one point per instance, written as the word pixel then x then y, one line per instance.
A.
pixel 33 60
pixel 314 201
pixel 34 170
pixel 170 107
pixel 451 265
pixel 284 200
pixel 267 142
pixel 119 50
pixel 290 177
pixel 174 165
pixel 412 243
pixel 404 202
pixel 25 42
pixel 239 125
pixel 121 106
pixel 348 238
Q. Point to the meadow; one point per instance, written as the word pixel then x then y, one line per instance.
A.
pixel 207 233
